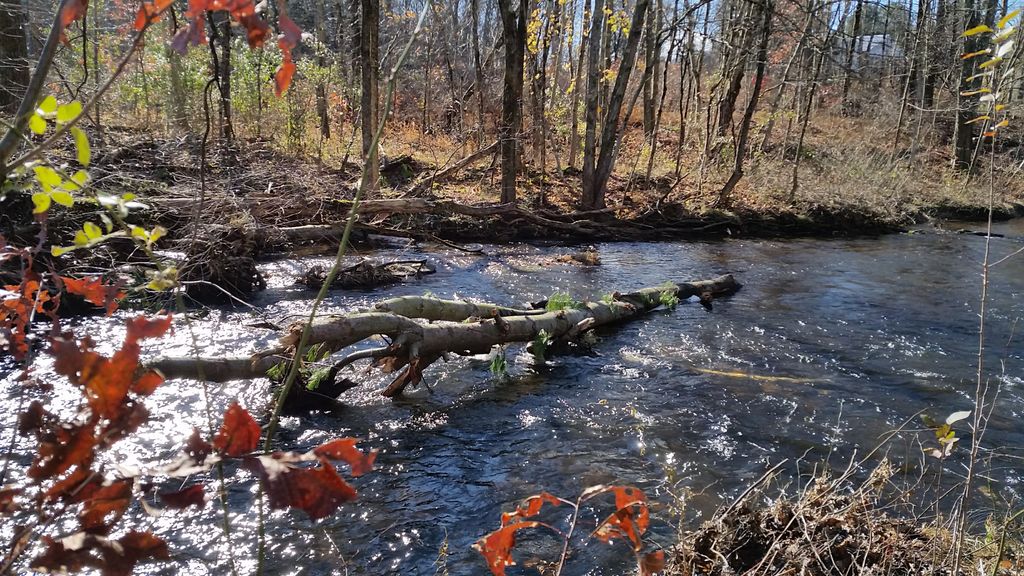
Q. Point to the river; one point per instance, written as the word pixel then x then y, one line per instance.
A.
pixel 830 344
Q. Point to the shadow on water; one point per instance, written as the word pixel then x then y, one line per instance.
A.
pixel 829 345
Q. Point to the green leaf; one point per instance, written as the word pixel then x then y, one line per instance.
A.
pixel 68 112
pixel 980 29
pixel 139 232
pixel 82 146
pixel 63 198
pixel 1006 19
pixel 48 107
pixel 57 251
pixel 81 177
pixel 41 200
pixel 80 238
pixel 36 124
pixel 92 231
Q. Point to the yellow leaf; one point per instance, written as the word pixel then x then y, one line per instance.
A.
pixel 47 177
pixel 157 233
pixel 63 198
pixel 990 63
pixel 48 107
pixel 1000 107
pixel 57 251
pixel 976 92
pixel 80 177
pixel 138 232
pixel 68 112
pixel 1005 34
pixel 92 231
pixel 1006 19
pixel 979 119
pixel 41 200
pixel 36 124
pixel 980 29
pixel 81 239
pixel 1002 123
pixel 82 146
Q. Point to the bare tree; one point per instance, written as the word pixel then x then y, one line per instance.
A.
pixel 369 61
pixel 14 69
pixel 513 26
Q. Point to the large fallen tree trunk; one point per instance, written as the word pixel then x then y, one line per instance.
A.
pixel 423 329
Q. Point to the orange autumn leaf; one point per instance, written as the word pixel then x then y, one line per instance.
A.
pixel 94 291
pixel 496 547
pixel 345 449
pixel 652 562
pixel 240 433
pixel 283 76
pixel 529 508
pixel 73 10
pixel 630 519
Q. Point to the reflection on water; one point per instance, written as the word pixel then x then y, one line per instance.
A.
pixel 829 344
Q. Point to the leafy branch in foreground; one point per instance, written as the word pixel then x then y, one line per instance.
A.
pixel 628 522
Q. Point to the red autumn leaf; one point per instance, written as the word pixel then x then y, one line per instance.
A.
pixel 194 495
pixel 104 381
pixel 317 491
pixel 70 485
pixel 104 505
pixel 7 503
pixel 256 30
pixel 630 519
pixel 147 383
pixel 32 419
pixel 345 449
pixel 197 448
pixel 283 75
pixel 652 562
pixel 142 327
pixel 496 547
pixel 529 508
pixel 290 36
pixel 16 312
pixel 240 433
pixel 128 420
pixel 73 10
pixel 61 449
pixel 111 557
pixel 192 35
pixel 94 291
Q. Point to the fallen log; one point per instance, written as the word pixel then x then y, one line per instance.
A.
pixel 366 274
pixel 420 330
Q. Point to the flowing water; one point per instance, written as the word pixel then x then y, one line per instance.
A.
pixel 829 345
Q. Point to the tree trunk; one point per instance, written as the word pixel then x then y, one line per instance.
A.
pixel 14 70
pixel 513 25
pixel 574 126
pixel 321 86
pixel 748 114
pixel 179 116
pixel 370 101
pixel 594 195
pixel 963 142
pixel 594 72
pixel 478 72
pixel 423 329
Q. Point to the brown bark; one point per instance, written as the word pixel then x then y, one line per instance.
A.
pixel 513 25
pixel 369 107
pixel 14 68
pixel 593 195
